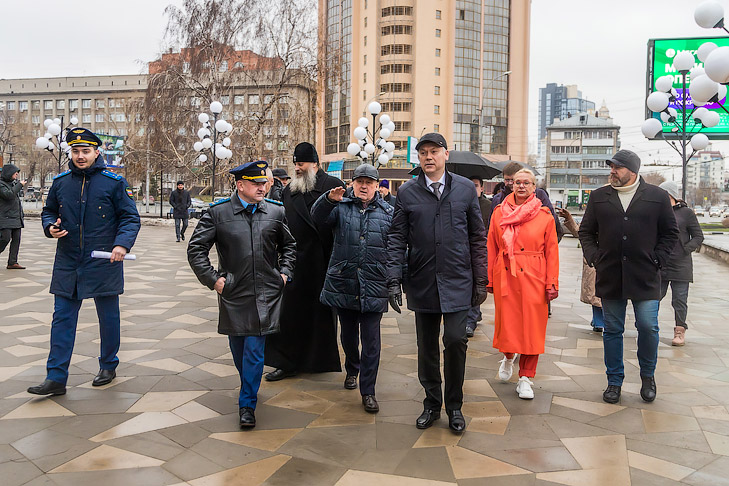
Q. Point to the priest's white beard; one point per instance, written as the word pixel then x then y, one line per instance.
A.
pixel 304 182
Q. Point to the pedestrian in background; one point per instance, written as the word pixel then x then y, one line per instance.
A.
pixel 678 271
pixel 438 222
pixel 280 180
pixel 474 315
pixel 88 209
pixel 256 258
pixel 627 233
pixel 355 284
pixel 523 276
pixel 384 189
pixel 11 213
pixel 180 201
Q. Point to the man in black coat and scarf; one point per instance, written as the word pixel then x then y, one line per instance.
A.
pixel 308 339
pixel 11 213
pixel 628 233
pixel 180 201
pixel 438 219
pixel 256 257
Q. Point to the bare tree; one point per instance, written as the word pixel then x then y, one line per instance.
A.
pixel 654 178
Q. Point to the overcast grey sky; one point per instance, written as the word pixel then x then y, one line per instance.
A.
pixel 598 45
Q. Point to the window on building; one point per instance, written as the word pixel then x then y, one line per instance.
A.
pixel 36 105
pixel 395 87
pixel 402 126
pixel 438 14
pixel 73 105
pixel 11 105
pixel 60 105
pixel 239 65
pixel 365 40
pixel 461 14
pixel 437 71
pixel 437 52
pixel 267 99
pixel 48 105
pixel 99 118
pixel 436 90
pixel 436 109
pixel 436 128
pixel 396 49
pixel 23 105
pixel 185 67
pixel 223 66
pixel 364 95
pixel 120 117
pixel 388 11
pixel 396 68
pixel 397 29
pixel 99 104
pixel 437 32
pixel 364 78
pixel 254 99
pixel 85 103
pixel 365 21
pixel 283 130
pixel 225 100
pixel 86 118
pixel 35 119
pixel 239 99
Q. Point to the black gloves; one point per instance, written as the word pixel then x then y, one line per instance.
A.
pixel 395 297
pixel 479 294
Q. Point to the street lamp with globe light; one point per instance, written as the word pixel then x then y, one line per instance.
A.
pixel 208 146
pixel 372 141
pixel 55 138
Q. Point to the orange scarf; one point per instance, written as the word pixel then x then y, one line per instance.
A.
pixel 512 217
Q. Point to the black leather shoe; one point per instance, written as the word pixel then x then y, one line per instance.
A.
pixel 469 331
pixel 350 382
pixel 648 388
pixel 104 377
pixel 183 237
pixel 279 374
pixel 370 404
pixel 48 387
pixel 427 418
pixel 456 421
pixel 247 418
pixel 611 394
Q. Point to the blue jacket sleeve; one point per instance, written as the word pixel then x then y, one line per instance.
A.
pixel 127 215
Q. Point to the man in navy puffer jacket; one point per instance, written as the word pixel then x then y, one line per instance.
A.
pixel 356 284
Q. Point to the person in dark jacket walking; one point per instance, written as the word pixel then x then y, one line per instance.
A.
pixel 679 269
pixel 384 190
pixel 11 213
pixel 180 201
pixel 87 209
pixel 438 219
pixel 256 255
pixel 627 233
pixel 474 315
pixel 355 284
pixel 308 338
pixel 280 180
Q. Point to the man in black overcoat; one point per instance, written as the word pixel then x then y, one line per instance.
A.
pixel 308 339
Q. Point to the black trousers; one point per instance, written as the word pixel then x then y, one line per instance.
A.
pixel 179 231
pixel 368 323
pixel 679 299
pixel 455 342
pixel 11 236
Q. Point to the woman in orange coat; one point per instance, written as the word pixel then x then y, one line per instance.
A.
pixel 523 276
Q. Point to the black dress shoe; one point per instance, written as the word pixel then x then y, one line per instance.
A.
pixel 611 394
pixel 469 331
pixel 370 404
pixel 648 388
pixel 104 377
pixel 48 387
pixel 350 382
pixel 456 421
pixel 183 237
pixel 247 418
pixel 279 374
pixel 427 418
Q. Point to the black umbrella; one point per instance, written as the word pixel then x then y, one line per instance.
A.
pixel 503 164
pixel 468 164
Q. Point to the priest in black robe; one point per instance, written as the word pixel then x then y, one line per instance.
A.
pixel 307 342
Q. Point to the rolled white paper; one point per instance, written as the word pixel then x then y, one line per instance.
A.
pixel 107 255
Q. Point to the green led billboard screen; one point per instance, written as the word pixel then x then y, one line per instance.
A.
pixel 660 62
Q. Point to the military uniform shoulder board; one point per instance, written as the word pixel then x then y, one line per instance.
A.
pixel 62 174
pixel 220 202
pixel 112 175
pixel 273 201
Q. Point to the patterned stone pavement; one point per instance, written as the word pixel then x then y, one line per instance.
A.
pixel 170 417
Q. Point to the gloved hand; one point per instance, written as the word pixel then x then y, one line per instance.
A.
pixel 552 293
pixel 479 295
pixel 395 297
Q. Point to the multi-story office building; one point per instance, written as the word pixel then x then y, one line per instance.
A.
pixel 705 177
pixel 577 148
pixel 458 67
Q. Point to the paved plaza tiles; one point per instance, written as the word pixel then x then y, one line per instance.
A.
pixel 170 418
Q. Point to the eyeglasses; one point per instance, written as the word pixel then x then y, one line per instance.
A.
pixel 523 184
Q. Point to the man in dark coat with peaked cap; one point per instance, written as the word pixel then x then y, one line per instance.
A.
pixel 308 338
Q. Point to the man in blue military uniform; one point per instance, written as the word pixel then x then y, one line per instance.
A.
pixel 256 257
pixel 88 208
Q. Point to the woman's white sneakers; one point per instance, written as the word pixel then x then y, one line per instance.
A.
pixel 524 388
pixel 506 368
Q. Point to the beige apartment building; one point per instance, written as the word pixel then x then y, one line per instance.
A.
pixel 458 67
pixel 101 103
